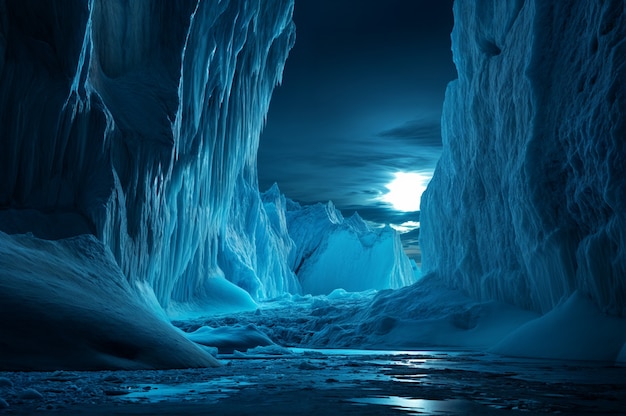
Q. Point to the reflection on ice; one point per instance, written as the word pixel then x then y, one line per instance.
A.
pixel 362 352
pixel 410 378
pixel 416 406
pixel 353 382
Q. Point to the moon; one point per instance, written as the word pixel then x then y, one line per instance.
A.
pixel 405 191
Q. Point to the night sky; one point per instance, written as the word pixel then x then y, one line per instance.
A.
pixel 360 101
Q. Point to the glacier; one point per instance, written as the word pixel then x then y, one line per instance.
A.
pixel 130 131
pixel 527 203
pixel 332 252
pixel 142 120
pixel 136 123
pixel 129 193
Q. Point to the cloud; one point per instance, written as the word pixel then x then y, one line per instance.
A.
pixel 383 214
pixel 406 227
pixel 423 132
pixel 351 170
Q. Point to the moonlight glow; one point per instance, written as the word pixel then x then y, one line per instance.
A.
pixel 405 191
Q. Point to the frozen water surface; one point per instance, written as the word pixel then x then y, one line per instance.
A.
pixel 213 390
pixel 417 406
pixel 333 382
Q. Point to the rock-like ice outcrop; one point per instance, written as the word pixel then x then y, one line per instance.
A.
pixel 528 202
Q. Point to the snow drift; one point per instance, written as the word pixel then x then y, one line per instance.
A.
pixel 528 202
pixel 67 305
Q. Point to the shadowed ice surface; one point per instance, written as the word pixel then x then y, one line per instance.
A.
pixel 333 381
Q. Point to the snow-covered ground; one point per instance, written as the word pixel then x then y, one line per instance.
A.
pixel 424 315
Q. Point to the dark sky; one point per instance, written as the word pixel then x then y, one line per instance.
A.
pixel 361 100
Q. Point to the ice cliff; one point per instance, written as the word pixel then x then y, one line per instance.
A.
pixel 528 202
pixel 138 123
pixel 128 141
pixel 141 122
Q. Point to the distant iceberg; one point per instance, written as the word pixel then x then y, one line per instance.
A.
pixel 331 252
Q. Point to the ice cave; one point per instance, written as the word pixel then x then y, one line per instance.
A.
pixel 144 271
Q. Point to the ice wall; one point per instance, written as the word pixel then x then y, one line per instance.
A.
pixel 528 201
pixel 257 246
pixel 140 121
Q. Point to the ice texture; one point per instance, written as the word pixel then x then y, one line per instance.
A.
pixel 128 135
pixel 331 252
pixel 141 121
pixel 136 123
pixel 228 339
pixel 257 245
pixel 528 202
pixel 574 330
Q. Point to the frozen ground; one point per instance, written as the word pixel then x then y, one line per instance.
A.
pixel 284 376
pixel 415 317
pixel 329 382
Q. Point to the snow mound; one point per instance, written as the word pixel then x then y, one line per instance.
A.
pixel 227 339
pixel 66 305
pixel 216 296
pixel 426 314
pixel 574 330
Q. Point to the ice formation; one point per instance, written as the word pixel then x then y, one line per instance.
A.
pixel 331 252
pixel 528 202
pixel 142 120
pixel 137 123
pixel 128 137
